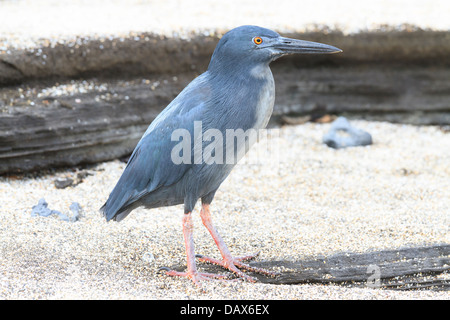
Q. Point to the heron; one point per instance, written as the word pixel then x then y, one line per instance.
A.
pixel 167 167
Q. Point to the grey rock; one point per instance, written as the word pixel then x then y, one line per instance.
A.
pixel 41 209
pixel 63 183
pixel 76 210
pixel 342 134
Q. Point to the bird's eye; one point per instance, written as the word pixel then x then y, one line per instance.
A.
pixel 257 40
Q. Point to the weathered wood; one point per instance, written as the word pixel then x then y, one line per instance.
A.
pixel 417 95
pixel 144 54
pixel 43 127
pixel 402 269
pixel 77 127
pixel 84 57
pixel 64 120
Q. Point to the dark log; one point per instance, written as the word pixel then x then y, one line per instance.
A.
pixel 403 269
pixel 145 54
pixel 92 102
pixel 77 127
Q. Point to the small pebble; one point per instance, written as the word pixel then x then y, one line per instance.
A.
pixel 342 135
pixel 41 209
pixel 61 183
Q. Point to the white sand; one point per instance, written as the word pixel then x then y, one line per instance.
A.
pixel 25 21
pixel 314 201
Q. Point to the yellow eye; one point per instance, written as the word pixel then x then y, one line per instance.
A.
pixel 257 40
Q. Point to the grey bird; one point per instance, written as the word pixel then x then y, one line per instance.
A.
pixel 167 167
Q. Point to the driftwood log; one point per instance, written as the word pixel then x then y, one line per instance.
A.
pixel 409 268
pixel 91 100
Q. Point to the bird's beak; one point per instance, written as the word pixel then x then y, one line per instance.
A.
pixel 288 45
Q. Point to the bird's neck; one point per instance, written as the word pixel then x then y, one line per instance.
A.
pixel 239 73
pixel 261 71
pixel 246 96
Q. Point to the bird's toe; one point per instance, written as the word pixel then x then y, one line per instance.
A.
pixel 235 264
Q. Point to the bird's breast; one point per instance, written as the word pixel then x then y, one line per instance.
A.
pixel 265 98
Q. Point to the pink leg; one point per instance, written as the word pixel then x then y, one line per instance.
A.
pixel 191 273
pixel 228 261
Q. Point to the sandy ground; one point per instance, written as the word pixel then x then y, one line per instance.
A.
pixel 305 200
pixel 301 200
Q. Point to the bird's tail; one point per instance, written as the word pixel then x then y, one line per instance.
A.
pixel 116 215
pixel 117 207
pixel 107 211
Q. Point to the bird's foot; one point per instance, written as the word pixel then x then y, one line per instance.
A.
pixel 233 264
pixel 196 277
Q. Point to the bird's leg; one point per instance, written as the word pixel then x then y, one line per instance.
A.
pixel 228 261
pixel 192 273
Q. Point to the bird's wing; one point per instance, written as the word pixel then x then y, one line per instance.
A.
pixel 150 165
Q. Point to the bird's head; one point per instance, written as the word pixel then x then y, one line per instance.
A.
pixel 251 44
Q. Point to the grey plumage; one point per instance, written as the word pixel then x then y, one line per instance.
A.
pixel 151 178
pixel 237 92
